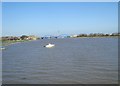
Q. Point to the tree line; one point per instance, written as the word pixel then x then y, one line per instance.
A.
pixel 98 35
pixel 23 37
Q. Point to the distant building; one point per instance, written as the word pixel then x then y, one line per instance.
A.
pixel 32 37
pixel 73 36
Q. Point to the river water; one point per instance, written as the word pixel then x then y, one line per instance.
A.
pixel 71 61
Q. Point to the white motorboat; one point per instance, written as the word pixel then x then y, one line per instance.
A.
pixel 2 48
pixel 49 45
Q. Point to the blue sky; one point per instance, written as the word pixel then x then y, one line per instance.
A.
pixel 54 18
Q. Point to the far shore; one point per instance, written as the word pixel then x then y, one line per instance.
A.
pixel 100 37
pixel 9 42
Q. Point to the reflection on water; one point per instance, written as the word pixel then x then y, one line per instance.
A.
pixel 71 61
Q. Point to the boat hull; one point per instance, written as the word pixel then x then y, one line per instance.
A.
pixel 50 46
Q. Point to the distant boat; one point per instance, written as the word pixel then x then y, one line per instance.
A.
pixel 2 48
pixel 49 45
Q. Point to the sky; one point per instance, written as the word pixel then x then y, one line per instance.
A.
pixel 55 18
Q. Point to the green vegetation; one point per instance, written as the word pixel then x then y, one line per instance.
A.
pixel 8 42
pixel 99 35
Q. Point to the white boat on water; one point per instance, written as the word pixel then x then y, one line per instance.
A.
pixel 49 45
pixel 2 48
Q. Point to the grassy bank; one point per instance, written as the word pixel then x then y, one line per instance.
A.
pixel 8 42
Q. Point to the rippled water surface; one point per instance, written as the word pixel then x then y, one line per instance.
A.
pixel 71 61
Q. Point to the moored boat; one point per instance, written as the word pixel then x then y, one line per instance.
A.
pixel 49 45
pixel 2 48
